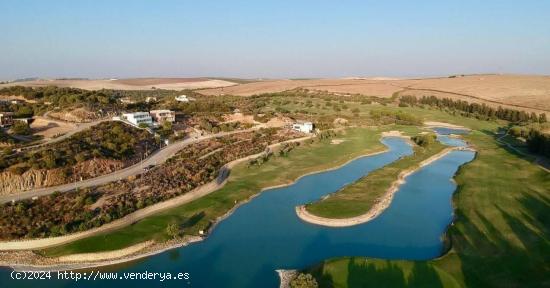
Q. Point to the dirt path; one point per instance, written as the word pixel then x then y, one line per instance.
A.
pixel 155 158
pixel 140 214
pixel 434 124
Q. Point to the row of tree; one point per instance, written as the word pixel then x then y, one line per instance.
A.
pixel 475 109
pixel 538 142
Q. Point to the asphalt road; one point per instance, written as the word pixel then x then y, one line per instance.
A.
pixel 156 158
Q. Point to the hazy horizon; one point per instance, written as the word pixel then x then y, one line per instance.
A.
pixel 283 39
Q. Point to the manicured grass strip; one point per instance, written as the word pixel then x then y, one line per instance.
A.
pixel 243 183
pixel 501 237
pixel 363 272
pixel 359 197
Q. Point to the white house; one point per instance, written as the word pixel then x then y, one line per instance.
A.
pixel 182 98
pixel 127 100
pixel 138 118
pixel 163 115
pixel 306 127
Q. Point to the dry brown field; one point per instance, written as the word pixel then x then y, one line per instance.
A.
pixel 130 84
pixel 530 93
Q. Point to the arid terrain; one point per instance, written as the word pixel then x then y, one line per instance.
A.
pixel 50 128
pixel 513 91
pixel 129 84
pixel 525 92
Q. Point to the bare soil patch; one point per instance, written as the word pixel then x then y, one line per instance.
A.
pixel 49 128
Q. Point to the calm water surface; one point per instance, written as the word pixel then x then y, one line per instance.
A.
pixel 245 249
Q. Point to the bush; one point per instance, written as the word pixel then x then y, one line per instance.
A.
pixel 21 128
pixel 304 281
pixel 538 142
pixel 173 230
pixel 424 140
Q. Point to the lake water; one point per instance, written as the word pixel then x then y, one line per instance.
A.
pixel 265 234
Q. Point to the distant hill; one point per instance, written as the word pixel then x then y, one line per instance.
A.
pixel 125 84
pixel 530 93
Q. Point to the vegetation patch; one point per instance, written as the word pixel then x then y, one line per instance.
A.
pixel 499 239
pixel 107 140
pixel 196 165
pixel 359 197
pixel 244 182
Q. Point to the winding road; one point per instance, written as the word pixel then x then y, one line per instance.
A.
pixel 158 157
pixel 201 191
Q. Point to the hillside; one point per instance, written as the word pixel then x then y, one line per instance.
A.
pixel 128 84
pixel 530 93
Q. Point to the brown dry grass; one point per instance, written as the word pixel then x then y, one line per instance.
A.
pixel 130 84
pixel 530 93
pixel 157 81
pixel 346 86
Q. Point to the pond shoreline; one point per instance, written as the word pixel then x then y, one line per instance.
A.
pixel 28 260
pixel 383 203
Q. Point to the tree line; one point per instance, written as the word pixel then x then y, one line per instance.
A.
pixel 480 111
pixel 537 141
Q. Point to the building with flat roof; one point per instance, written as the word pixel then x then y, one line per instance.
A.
pixel 6 119
pixel 161 116
pixel 138 118
pixel 305 127
pixel 184 98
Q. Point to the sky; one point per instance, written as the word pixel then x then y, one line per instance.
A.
pixel 272 39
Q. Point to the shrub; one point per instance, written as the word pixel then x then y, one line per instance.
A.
pixel 172 230
pixel 21 128
pixel 424 140
pixel 304 281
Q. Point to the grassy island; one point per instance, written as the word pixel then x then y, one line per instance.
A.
pixel 243 183
pixel 499 239
pixel 359 197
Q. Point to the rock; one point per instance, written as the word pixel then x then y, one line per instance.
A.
pixel 11 183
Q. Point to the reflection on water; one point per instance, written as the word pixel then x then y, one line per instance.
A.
pixel 265 234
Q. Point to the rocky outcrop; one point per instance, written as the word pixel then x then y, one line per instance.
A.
pixel 11 183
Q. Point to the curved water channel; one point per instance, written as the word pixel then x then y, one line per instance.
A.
pixel 265 234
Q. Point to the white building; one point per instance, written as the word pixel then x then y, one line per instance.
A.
pixel 6 119
pixel 305 127
pixel 127 100
pixel 138 118
pixel 182 98
pixel 163 115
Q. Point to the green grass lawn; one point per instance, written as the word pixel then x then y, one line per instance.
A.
pixel 358 198
pixel 500 237
pixel 319 107
pixel 243 183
